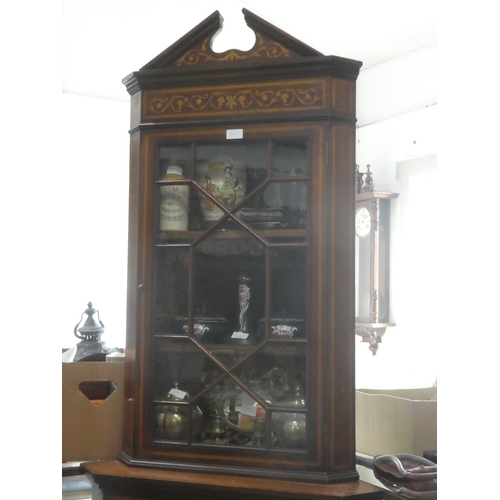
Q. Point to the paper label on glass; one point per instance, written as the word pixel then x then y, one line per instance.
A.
pixel 239 335
pixel 248 406
pixel 174 208
pixel 178 393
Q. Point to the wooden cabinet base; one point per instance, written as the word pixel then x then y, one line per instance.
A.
pixel 120 482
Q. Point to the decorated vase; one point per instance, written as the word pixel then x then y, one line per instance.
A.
pixel 225 181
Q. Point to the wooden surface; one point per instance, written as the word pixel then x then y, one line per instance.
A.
pixel 118 481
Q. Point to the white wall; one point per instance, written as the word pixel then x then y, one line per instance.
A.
pixel 397 86
pixel 408 354
pixel 94 216
pixel 397 133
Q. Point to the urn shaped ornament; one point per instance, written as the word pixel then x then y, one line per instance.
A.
pixel 290 428
pixel 172 419
pixel 91 347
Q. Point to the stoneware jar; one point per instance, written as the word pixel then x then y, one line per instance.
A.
pixel 174 203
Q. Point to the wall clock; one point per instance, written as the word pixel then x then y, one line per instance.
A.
pixel 363 222
pixel 372 247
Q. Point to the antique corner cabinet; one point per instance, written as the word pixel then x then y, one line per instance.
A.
pixel 240 323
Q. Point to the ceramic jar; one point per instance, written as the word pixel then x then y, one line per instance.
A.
pixel 208 326
pixel 225 180
pixel 174 203
pixel 284 328
pixel 171 420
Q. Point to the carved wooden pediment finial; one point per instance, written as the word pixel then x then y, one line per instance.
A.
pixel 195 48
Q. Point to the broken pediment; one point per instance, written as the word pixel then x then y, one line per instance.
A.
pixel 195 48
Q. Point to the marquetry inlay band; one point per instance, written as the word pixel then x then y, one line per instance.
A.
pixel 299 95
pixel 263 49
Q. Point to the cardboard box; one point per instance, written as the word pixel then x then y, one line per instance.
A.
pixel 92 410
pixel 396 421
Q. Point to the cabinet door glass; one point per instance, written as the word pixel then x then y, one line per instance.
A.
pixel 230 347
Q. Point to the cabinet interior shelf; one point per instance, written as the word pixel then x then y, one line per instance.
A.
pixel 284 233
pixel 286 347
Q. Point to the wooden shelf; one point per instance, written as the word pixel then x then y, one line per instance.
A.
pixel 286 347
pixel 223 234
pixel 145 483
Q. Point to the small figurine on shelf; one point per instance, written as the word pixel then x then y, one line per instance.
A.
pixel 244 300
pixel 244 335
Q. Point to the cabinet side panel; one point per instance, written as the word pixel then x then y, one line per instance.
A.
pixel 341 290
pixel 132 283
pixel 135 109
pixel 145 286
pixel 318 301
pixel 343 97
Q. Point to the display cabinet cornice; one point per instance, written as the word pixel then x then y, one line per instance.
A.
pixel 240 323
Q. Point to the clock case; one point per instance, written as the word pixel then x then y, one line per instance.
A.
pixel 280 90
pixel 373 263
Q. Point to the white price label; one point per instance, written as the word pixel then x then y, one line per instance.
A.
pixel 235 133
pixel 178 393
pixel 239 335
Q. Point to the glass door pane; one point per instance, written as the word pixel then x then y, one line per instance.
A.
pixel 231 339
pixel 172 289
pixel 229 282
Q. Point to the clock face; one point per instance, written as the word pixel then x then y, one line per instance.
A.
pixel 363 222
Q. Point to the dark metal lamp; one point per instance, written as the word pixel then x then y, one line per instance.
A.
pixel 91 347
